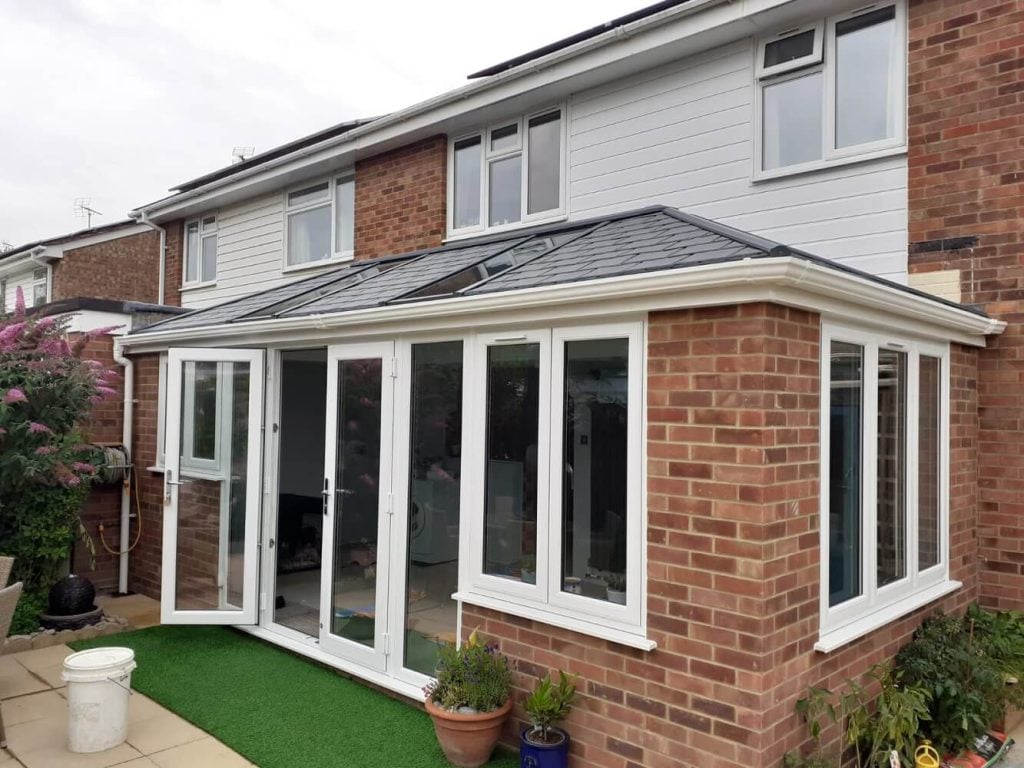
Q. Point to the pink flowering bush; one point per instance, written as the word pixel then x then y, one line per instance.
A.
pixel 46 391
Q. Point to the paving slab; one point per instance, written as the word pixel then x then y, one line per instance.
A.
pixel 207 752
pixel 162 731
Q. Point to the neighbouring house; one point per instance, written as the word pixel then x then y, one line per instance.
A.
pixel 106 276
pixel 683 354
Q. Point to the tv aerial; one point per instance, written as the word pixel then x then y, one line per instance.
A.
pixel 241 154
pixel 84 210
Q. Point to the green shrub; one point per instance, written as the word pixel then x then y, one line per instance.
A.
pixel 549 704
pixel 474 675
pixel 26 613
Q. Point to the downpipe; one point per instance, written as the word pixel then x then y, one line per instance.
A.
pixel 126 439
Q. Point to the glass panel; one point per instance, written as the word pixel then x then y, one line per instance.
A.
pixel 594 457
pixel 510 516
pixel 357 495
pixel 38 294
pixel 435 468
pixel 298 543
pixel 209 224
pixel 928 447
pixel 209 257
pixel 211 510
pixel 308 195
pixel 545 166
pixel 789 48
pixel 506 190
pixel 309 235
pixel 866 88
pixel 846 419
pixel 344 210
pixel 204 411
pixel 505 138
pixel 467 183
pixel 892 475
pixel 192 252
pixel 792 121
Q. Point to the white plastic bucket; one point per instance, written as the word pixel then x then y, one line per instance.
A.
pixel 99 684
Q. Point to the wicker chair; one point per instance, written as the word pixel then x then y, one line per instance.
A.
pixel 8 600
pixel 6 564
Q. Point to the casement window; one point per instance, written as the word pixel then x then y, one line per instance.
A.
pixel 554 492
pixel 831 91
pixel 201 251
pixel 884 478
pixel 40 286
pixel 507 174
pixel 320 222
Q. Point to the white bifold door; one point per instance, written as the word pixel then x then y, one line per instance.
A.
pixel 212 486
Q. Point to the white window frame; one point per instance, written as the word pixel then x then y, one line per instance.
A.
pixel 331 201
pixel 196 466
pixel 831 155
pixel 805 61
pixel 877 606
pixel 3 295
pixel 203 232
pixel 38 282
pixel 487 156
pixel 545 600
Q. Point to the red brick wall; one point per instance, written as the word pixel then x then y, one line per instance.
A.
pixel 145 559
pixel 127 268
pixel 175 262
pixel 966 120
pixel 401 198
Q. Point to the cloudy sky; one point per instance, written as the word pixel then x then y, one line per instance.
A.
pixel 118 100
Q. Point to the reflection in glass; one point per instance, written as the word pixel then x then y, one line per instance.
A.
pixel 594 456
pixel 892 474
pixel 192 252
pixel 309 235
pixel 544 171
pixel 467 183
pixel 345 214
pixel 510 515
pixel 204 410
pixel 846 424
pixel 357 496
pixel 789 48
pixel 505 190
pixel 929 419
pixel 865 86
pixel 435 469
pixel 792 121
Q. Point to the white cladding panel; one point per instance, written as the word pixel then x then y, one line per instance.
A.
pixel 682 135
pixel 24 280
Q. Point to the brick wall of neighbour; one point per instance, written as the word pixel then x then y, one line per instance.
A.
pixel 400 199
pixel 966 120
pixel 127 268
pixel 145 559
pixel 175 261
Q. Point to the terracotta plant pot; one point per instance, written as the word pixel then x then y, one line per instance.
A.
pixel 468 740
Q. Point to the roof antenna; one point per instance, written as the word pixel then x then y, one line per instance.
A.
pixel 241 154
pixel 84 210
pixel 5 246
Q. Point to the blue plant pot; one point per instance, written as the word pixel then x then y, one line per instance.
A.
pixel 543 755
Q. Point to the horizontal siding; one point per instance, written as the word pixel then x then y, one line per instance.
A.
pixel 250 243
pixel 681 135
pixel 15 281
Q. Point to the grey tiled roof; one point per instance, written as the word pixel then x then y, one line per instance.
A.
pixel 637 242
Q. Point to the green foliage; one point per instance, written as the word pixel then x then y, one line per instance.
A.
pixel 550 703
pixel 963 662
pixel 875 724
pixel 26 613
pixel 474 675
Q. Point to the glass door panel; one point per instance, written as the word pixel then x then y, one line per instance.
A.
pixel 357 487
pixel 212 486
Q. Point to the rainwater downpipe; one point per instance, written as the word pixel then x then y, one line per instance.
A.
pixel 141 218
pixel 126 441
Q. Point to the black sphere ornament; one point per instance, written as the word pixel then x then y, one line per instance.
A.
pixel 71 595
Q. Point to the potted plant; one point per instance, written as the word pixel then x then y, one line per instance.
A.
pixel 544 745
pixel 469 701
pixel 528 570
pixel 616 587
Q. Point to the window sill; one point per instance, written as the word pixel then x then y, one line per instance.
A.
pixel 287 269
pixel 582 626
pixel 837 638
pixel 760 177
pixel 485 231
pixel 194 286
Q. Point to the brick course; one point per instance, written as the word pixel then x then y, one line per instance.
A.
pixel 127 268
pixel 145 560
pixel 175 262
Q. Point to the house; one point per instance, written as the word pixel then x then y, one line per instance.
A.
pixel 682 354
pixel 103 276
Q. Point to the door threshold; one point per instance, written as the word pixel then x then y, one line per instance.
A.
pixel 309 647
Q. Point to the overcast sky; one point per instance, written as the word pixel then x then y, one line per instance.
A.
pixel 118 100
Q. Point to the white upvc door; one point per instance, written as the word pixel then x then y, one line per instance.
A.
pixel 358 503
pixel 212 486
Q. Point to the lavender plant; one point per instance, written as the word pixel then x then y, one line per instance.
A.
pixel 475 676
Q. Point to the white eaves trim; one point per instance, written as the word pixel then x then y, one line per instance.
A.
pixel 45 253
pixel 786 280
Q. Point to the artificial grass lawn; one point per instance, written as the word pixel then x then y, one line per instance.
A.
pixel 275 708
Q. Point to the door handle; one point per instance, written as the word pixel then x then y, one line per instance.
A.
pixel 326 493
pixel 169 481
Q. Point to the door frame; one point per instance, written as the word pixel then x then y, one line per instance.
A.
pixel 248 613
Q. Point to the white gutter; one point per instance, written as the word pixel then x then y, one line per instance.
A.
pixel 126 440
pixel 784 280
pixel 142 218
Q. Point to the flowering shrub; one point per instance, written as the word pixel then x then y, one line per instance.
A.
pixel 46 391
pixel 475 675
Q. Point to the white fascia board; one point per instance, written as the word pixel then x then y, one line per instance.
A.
pixel 20 263
pixel 58 251
pixel 627 44
pixel 785 280
pixel 86 320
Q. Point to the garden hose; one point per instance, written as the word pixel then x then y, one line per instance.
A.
pixel 132 476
